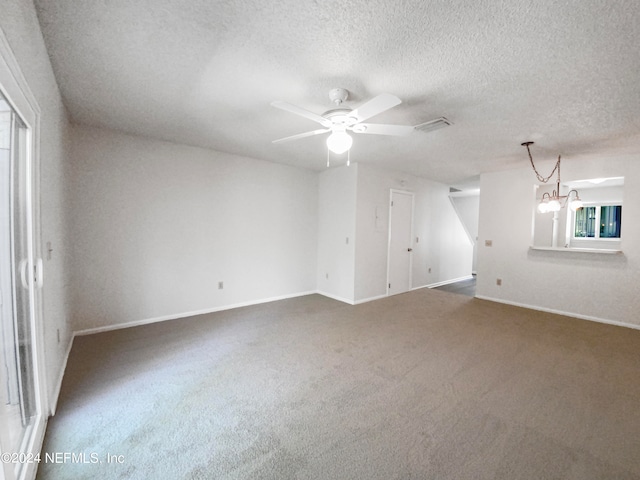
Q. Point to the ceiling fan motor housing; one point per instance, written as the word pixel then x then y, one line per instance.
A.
pixel 341 116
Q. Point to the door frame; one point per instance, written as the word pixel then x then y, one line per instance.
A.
pixel 16 90
pixel 393 191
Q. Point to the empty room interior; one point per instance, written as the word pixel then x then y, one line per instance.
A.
pixel 319 239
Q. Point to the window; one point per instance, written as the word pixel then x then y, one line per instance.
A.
pixel 610 221
pixel 585 222
pixel 598 222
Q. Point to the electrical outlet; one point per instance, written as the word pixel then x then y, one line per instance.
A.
pixel 220 285
pixel 499 282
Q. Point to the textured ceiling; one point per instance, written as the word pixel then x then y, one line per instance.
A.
pixel 202 72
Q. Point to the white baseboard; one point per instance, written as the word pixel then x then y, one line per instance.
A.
pixel 561 312
pixel 53 400
pixel 136 323
pixel 446 282
pixel 335 297
pixel 351 302
pixel 370 299
pixel 378 297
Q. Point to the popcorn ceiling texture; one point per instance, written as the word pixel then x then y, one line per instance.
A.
pixel 563 74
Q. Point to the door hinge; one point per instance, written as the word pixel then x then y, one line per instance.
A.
pixel 389 285
pixel 392 203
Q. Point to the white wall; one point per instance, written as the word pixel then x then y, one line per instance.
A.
pixel 467 207
pixel 19 24
pixel 157 225
pixel 595 286
pixel 337 232
pixel 443 245
pixel 372 231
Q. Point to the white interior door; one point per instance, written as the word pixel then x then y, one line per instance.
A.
pixel 400 242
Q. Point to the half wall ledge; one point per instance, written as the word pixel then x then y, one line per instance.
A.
pixel 605 251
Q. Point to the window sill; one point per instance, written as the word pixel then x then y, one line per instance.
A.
pixel 607 251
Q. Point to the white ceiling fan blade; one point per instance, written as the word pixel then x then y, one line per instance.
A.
pixel 381 129
pixel 302 135
pixel 376 105
pixel 302 112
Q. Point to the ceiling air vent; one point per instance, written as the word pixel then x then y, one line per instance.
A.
pixel 433 124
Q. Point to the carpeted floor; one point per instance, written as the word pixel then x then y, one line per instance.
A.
pixel 463 287
pixel 424 385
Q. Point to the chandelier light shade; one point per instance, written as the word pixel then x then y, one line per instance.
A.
pixel 576 203
pixel 339 141
pixel 554 202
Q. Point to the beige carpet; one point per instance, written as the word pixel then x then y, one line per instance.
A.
pixel 425 385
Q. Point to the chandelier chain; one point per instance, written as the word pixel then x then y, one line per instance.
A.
pixel 540 177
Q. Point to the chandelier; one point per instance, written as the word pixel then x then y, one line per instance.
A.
pixel 554 202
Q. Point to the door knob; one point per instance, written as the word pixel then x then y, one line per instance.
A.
pixel 409 249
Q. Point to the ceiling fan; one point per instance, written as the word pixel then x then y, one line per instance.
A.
pixel 342 119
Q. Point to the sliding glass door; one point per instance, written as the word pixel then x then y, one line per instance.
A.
pixel 20 275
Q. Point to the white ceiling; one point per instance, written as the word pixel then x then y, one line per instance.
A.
pixel 565 74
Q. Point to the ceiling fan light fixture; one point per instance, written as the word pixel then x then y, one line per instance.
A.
pixel 339 142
